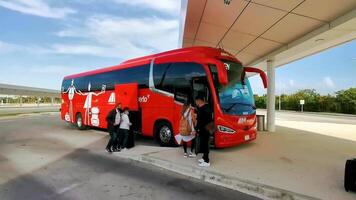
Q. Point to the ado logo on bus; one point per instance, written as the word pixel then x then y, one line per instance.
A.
pixel 143 99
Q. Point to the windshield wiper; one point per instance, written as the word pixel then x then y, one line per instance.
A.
pixel 234 104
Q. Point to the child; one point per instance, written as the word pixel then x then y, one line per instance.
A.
pixel 125 127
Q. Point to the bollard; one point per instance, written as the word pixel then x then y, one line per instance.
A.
pixel 260 123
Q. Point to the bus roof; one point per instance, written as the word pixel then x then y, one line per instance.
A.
pixel 197 51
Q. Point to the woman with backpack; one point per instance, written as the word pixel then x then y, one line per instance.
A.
pixel 186 130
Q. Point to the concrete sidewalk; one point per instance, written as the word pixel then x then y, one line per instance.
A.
pixel 288 164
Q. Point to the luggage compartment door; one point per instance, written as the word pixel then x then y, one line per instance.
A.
pixel 127 95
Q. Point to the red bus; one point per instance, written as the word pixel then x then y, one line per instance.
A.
pixel 152 87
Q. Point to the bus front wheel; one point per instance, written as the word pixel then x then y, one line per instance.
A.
pixel 79 122
pixel 164 134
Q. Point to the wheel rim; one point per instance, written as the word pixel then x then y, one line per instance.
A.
pixel 79 122
pixel 165 134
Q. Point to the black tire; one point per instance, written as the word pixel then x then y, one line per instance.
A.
pixel 350 175
pixel 164 134
pixel 79 122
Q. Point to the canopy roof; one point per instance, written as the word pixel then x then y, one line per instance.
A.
pixel 258 30
pixel 27 91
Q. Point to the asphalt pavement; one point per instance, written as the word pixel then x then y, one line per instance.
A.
pixel 5 111
pixel 41 157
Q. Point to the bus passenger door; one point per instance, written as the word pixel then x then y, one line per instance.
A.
pixel 201 88
pixel 127 95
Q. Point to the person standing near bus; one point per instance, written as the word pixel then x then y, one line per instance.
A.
pixel 186 130
pixel 204 118
pixel 125 127
pixel 113 119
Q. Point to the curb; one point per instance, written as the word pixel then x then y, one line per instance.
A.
pixel 245 186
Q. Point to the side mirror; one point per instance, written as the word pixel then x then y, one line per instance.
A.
pixel 222 71
pixel 261 72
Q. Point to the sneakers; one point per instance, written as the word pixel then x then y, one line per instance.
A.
pixel 125 149
pixel 192 155
pixel 204 164
pixel 185 155
pixel 108 150
pixel 201 160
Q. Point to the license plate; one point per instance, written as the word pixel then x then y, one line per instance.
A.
pixel 247 137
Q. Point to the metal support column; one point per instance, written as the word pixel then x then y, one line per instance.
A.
pixel 271 109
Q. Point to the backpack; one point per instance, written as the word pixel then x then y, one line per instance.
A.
pixel 184 127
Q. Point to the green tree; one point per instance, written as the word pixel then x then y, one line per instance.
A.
pixel 347 100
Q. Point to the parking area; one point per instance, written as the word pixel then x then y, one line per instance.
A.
pixel 42 157
pixel 303 159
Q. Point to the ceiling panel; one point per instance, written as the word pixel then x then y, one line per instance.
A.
pixel 194 12
pixel 187 40
pixel 211 33
pixel 325 10
pixel 187 44
pixel 246 57
pixel 191 28
pixel 237 40
pixel 291 27
pixel 232 51
pixel 286 5
pixel 203 43
pixel 256 19
pixel 226 15
pixel 261 47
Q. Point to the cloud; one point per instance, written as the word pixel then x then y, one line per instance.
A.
pixel 7 47
pixel 167 6
pixel 111 36
pixel 78 49
pixel 328 82
pixel 54 69
pixel 37 8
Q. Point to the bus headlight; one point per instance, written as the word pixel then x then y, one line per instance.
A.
pixel 225 129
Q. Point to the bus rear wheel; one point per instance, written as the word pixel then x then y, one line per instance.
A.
pixel 79 122
pixel 164 134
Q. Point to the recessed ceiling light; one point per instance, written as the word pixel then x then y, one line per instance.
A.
pixel 227 2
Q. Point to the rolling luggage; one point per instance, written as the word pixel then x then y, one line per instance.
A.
pixel 197 145
pixel 131 139
pixel 350 175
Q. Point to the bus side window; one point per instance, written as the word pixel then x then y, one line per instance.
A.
pixel 177 77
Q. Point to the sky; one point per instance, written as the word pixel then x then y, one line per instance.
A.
pixel 326 72
pixel 41 41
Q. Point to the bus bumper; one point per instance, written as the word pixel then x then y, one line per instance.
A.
pixel 223 140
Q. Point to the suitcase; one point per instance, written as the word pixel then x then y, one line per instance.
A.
pixel 350 175
pixel 197 145
pixel 131 139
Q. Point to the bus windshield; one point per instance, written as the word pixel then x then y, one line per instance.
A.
pixel 235 98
